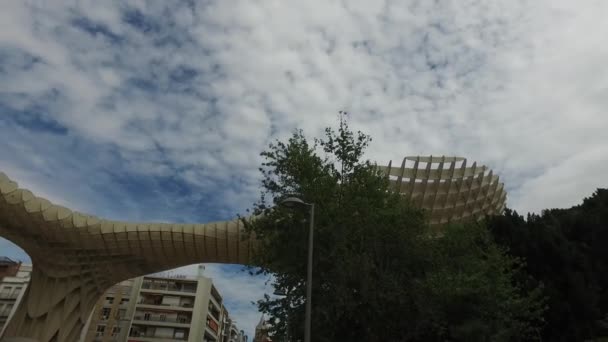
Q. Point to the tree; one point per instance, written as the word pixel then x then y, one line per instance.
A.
pixel 375 269
pixel 471 293
pixel 565 250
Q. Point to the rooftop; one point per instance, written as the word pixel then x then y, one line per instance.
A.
pixel 7 260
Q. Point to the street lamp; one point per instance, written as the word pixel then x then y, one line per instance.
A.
pixel 293 202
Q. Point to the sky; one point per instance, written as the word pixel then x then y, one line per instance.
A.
pixel 158 111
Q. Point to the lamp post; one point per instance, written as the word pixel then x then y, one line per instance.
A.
pixel 292 202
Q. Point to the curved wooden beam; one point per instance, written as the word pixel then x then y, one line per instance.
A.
pixel 76 257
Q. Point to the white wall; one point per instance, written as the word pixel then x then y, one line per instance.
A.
pixel 163 332
pixel 170 300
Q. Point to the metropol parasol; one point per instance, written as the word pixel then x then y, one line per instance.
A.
pixel 77 257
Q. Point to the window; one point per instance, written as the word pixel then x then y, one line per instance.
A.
pixel 124 300
pixel 100 330
pixel 6 290
pixel 136 331
pixel 115 331
pixel 122 313
pixel 105 313
pixel 163 317
pixel 170 300
pixel 189 288
pixel 147 316
pixel 109 300
pixel 179 333
pixel 211 324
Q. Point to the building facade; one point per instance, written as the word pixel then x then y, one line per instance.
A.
pixel 229 332
pixel 261 331
pixel 8 267
pixel 111 318
pixel 158 308
pixel 14 278
pixel 178 309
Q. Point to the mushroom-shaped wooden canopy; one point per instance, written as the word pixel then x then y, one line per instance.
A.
pixel 77 257
pixel 447 188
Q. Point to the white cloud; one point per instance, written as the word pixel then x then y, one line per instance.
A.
pixel 566 183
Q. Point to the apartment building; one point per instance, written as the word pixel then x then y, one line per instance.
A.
pixel 160 308
pixel 112 315
pixel 179 309
pixel 15 276
pixel 8 267
pixel 229 331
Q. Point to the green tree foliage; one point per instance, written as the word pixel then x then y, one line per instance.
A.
pixel 377 276
pixel 469 292
pixel 565 250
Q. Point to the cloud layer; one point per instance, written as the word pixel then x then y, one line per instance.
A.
pixel 158 111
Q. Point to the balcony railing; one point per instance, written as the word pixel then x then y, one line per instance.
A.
pixel 152 335
pixel 212 325
pixel 180 320
pixel 214 312
pixel 9 295
pixel 149 286
pixel 153 302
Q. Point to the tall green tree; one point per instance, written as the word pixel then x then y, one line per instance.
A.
pixel 376 273
pixel 565 250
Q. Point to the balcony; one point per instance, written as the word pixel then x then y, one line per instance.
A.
pixel 168 292
pixel 180 322
pixel 212 325
pixel 213 312
pixel 12 295
pixel 215 295
pixel 168 287
pixel 186 305
pixel 151 336
pixel 153 306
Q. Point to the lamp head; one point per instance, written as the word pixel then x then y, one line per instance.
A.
pixel 292 202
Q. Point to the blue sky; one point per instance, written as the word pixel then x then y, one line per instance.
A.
pixel 158 111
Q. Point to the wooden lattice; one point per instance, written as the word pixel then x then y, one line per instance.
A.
pixel 447 188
